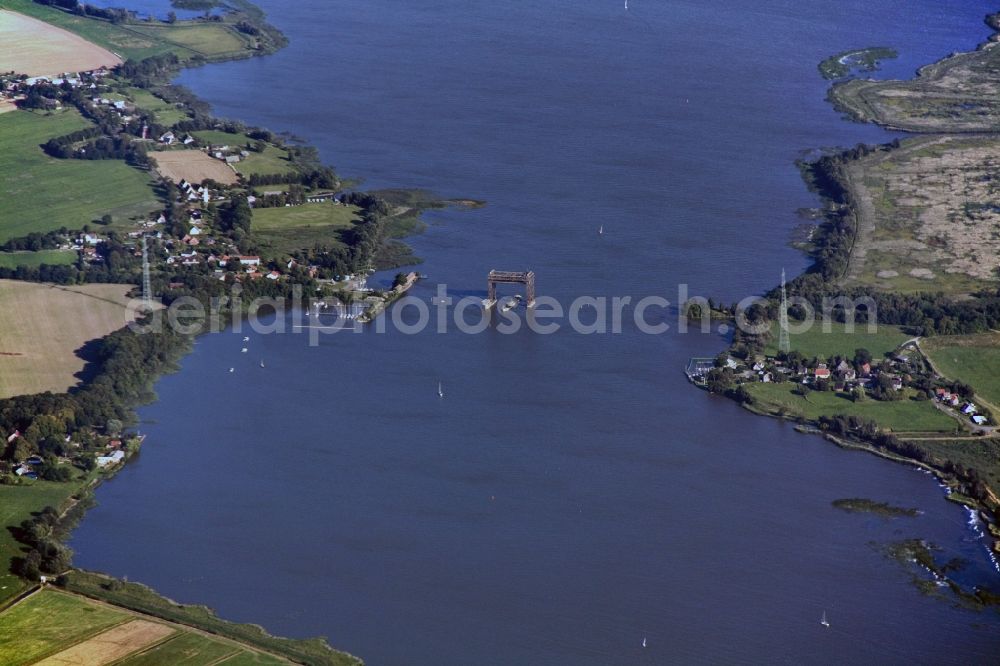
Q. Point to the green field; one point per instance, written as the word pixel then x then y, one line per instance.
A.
pixel 272 160
pixel 973 359
pixel 52 257
pixel 906 415
pixel 186 649
pixel 40 193
pixel 816 343
pixel 17 503
pixel 165 113
pixel 48 622
pixel 51 621
pixel 211 40
pixel 135 41
pixel 280 231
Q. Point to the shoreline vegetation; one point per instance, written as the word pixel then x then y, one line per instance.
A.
pixel 922 393
pixel 845 63
pixel 219 203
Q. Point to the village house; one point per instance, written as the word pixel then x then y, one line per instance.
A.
pixel 250 260
pixel 822 372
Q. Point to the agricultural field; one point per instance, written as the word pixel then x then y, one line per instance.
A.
pixel 41 193
pixel 928 216
pixel 816 343
pixel 34 259
pixel 271 160
pixel 972 359
pixel 194 166
pixel 136 41
pixel 39 348
pixel 249 637
pixel 280 231
pixel 906 415
pixel 36 48
pixel 50 621
pixel 54 627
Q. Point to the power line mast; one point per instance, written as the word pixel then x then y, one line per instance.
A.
pixel 147 292
pixel 783 344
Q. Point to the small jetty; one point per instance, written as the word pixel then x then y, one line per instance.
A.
pixel 698 368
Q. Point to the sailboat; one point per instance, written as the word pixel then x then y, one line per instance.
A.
pixel 440 391
pixel 643 641
pixel 824 621
pixel 262 363
pixel 600 230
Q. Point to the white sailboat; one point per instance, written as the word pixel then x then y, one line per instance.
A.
pixel 600 230
pixel 440 391
pixel 824 621
pixel 643 641
pixel 262 363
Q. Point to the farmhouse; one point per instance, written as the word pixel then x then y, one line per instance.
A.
pixel 250 260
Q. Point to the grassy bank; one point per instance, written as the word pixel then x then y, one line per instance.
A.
pixel 69 628
pixel 144 600
pixel 18 503
pixel 899 416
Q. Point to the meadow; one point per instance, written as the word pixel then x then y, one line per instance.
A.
pixel 166 113
pixel 282 230
pixel 816 343
pixel 41 193
pixel 33 259
pixel 18 503
pixel 906 415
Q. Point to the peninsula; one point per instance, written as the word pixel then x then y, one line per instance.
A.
pixel 909 230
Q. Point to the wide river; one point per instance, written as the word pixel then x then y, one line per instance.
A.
pixel 570 494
